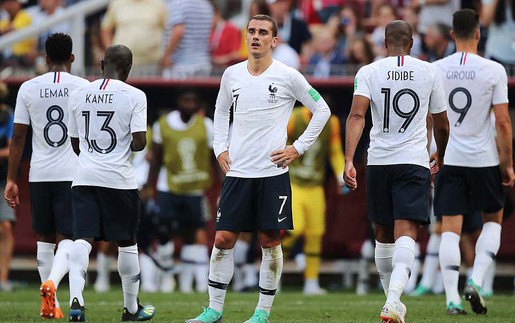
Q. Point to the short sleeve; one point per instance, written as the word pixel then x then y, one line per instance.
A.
pixel 361 86
pixel 177 15
pixel 73 130
pixel 21 111
pixel 437 101
pixel 500 92
pixel 139 113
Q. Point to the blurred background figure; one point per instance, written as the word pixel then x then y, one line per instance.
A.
pixel 386 14
pixel 284 53
pixel 23 53
pixel 181 170
pixel 187 39
pixel 105 260
pixel 499 17
pixel 438 42
pixel 7 216
pixel 139 25
pixel 307 176
pixel 410 15
pixel 224 42
pixel 292 30
pixel 326 60
pixel 346 25
pixel 360 53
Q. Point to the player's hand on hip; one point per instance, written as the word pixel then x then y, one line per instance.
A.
pixel 11 194
pixel 350 176
pixel 508 177
pixel 224 161
pixel 284 157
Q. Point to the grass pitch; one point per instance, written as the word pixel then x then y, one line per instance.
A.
pixel 289 306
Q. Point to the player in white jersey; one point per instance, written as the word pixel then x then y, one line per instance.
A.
pixel 256 193
pixel 42 104
pixel 475 167
pixel 401 91
pixel 108 120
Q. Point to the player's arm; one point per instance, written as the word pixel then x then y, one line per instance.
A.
pixel 353 131
pixel 441 133
pixel 223 104
pixel 504 142
pixel 15 153
pixel 139 140
pixel 335 150
pixel 75 145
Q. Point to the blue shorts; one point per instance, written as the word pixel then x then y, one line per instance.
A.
pixel 255 204
pixel 398 192
pixel 51 208
pixel 106 214
pixel 180 211
pixel 461 189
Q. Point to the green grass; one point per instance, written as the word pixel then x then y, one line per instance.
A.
pixel 289 306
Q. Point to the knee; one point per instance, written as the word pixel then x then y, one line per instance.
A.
pixel 224 241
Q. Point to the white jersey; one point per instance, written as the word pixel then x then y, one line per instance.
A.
pixel 262 106
pixel 103 115
pixel 175 122
pixel 42 103
pixel 472 85
pixel 402 91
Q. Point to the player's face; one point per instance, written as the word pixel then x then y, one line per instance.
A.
pixel 260 40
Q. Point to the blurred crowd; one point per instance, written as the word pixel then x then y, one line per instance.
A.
pixel 196 38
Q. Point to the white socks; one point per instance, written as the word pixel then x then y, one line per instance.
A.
pixel 240 258
pixel 128 268
pixel 450 259
pixel 383 258
pixel 487 246
pixel 431 261
pixel 187 268
pixel 412 281
pixel 269 276
pixel 148 273
pixel 61 261
pixel 220 274
pixel 402 263
pixel 45 258
pixel 367 254
pixel 79 261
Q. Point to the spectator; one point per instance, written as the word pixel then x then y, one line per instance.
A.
pixel 432 12
pixel 326 55
pixel 438 42
pixel 187 47
pixel 44 10
pixel 7 216
pixel 345 26
pixel 225 41
pixel 284 53
pixel 317 11
pixel 361 52
pixel 499 17
pixel 410 15
pixel 139 25
pixel 386 14
pixel 21 53
pixel 293 31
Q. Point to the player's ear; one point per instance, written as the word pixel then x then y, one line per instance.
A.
pixel 453 36
pixel 478 34
pixel 275 41
pixel 72 58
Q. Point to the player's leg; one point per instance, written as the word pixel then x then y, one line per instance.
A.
pixel 314 230
pixel 86 227
pixel 120 212
pixel 366 258
pixel 235 213
pixel 274 213
pixel 6 251
pixel 241 249
pixel 487 190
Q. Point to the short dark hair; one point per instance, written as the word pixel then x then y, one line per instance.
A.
pixel 266 18
pixel 58 47
pixel 465 22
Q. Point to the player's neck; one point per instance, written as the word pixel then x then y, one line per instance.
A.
pixel 466 46
pixel 59 68
pixel 397 51
pixel 256 66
